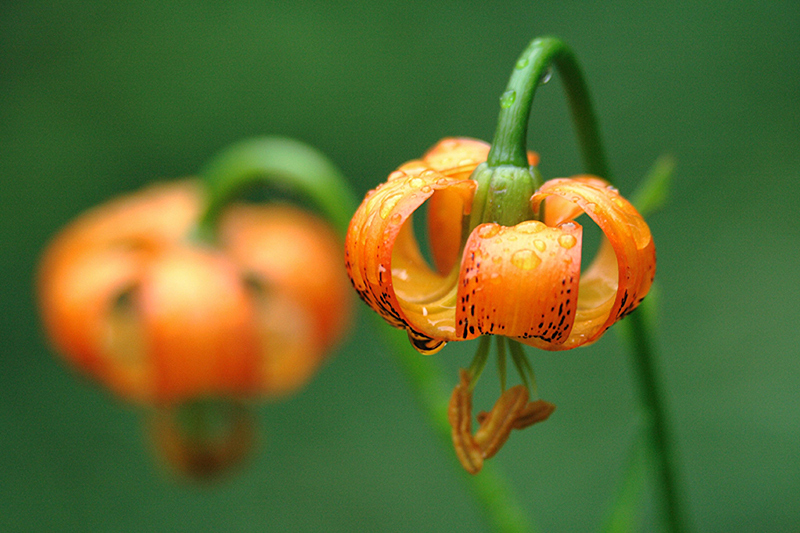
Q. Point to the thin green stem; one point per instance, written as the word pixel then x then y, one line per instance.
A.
pixel 284 163
pixel 501 369
pixel 640 339
pixel 501 508
pixel 509 146
pixel 479 361
pixel 518 356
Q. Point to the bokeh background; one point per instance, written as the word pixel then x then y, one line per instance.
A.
pixel 99 98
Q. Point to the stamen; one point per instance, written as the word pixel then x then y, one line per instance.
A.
pixel 534 412
pixel 497 425
pixel 459 413
pixel 524 367
pixel 501 364
pixel 479 361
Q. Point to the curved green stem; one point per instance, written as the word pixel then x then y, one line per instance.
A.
pixel 279 161
pixel 509 146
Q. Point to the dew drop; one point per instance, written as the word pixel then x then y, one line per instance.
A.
pixel 425 189
pixel 488 230
pixel 567 241
pixel 530 226
pixel 507 99
pixel 389 203
pixel 424 344
pixel 442 182
pixel 540 245
pixel 546 75
pixel 525 259
pixel 396 218
pixel 415 183
pixel 522 63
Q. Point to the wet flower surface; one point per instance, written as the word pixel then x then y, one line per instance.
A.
pixel 521 281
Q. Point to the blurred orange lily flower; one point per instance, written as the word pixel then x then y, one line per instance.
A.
pixel 523 282
pixel 128 298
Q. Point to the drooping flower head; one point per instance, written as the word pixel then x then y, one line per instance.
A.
pixel 506 260
pixel 195 329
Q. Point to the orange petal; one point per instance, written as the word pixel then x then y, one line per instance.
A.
pixel 94 260
pixel 278 244
pixel 622 272
pixel 454 157
pixel 193 304
pixel 383 258
pixel 519 281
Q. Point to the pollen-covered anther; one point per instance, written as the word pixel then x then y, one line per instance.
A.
pixel 496 426
pixel 534 412
pixel 459 414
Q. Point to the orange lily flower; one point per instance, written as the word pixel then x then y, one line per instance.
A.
pixel 522 281
pixel 130 300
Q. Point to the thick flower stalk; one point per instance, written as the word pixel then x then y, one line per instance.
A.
pixel 506 259
pixel 195 328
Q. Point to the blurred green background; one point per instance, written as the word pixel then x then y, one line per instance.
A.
pixel 100 98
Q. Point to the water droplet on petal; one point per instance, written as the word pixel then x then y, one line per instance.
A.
pixel 396 218
pixel 567 241
pixel 540 245
pixel 525 259
pixel 425 189
pixel 424 344
pixel 530 226
pixel 442 182
pixel 428 173
pixel 415 183
pixel 487 231
pixel 389 204
pixel 507 98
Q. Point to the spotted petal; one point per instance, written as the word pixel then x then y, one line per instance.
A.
pixel 520 281
pixel 622 272
pixel 382 254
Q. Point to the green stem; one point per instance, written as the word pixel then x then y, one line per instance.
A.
pixel 639 334
pixel 509 146
pixel 282 162
pixel 489 487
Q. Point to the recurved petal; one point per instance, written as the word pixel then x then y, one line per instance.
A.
pixel 276 246
pixel 558 209
pixel 519 281
pixel 456 157
pixel 383 259
pixel 623 270
pixel 192 302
